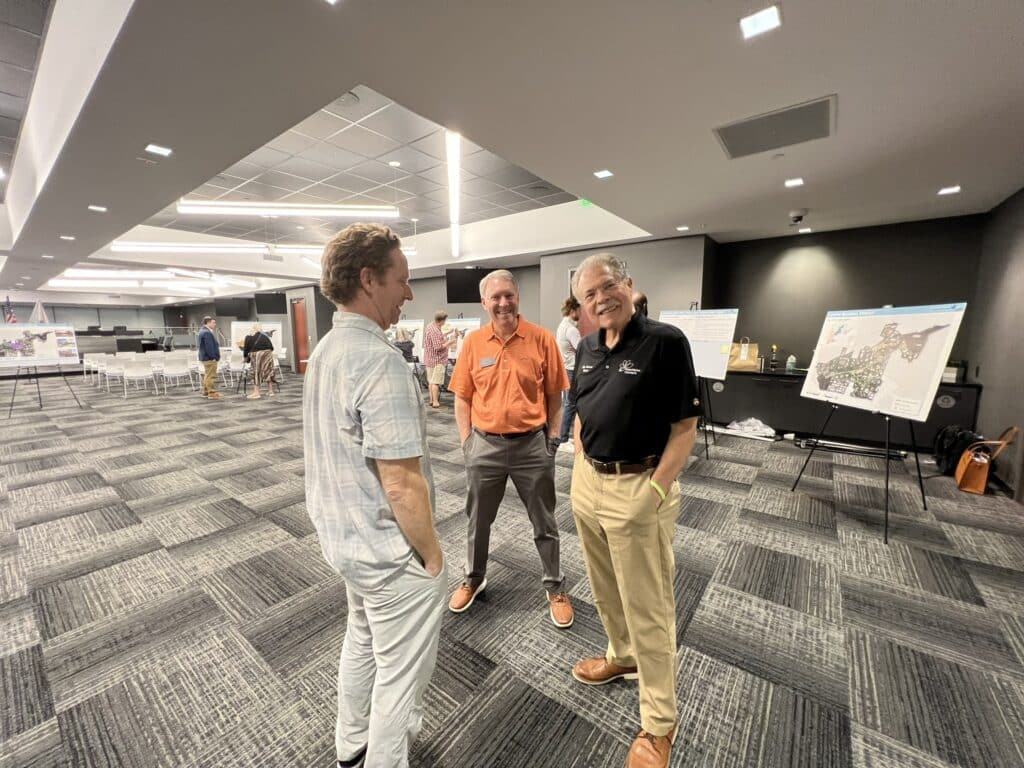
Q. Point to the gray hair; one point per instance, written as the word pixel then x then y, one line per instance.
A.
pixel 498 274
pixel 597 261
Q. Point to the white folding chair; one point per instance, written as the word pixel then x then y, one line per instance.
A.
pixel 177 367
pixel 138 371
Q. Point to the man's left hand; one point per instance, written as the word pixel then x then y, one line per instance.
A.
pixel 552 446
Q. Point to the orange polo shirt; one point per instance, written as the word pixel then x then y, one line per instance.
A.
pixel 509 383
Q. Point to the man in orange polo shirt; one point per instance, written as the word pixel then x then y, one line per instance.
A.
pixel 508 384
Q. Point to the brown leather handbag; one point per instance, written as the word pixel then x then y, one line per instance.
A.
pixel 975 462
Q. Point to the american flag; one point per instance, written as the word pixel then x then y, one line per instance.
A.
pixel 9 316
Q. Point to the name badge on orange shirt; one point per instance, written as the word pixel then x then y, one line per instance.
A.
pixel 487 362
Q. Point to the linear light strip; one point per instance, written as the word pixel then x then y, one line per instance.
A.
pixel 124 246
pixel 225 208
pixel 453 153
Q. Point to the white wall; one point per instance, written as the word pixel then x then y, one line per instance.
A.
pixel 669 271
pixel 429 296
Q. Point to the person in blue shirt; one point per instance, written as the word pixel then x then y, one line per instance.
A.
pixel 209 355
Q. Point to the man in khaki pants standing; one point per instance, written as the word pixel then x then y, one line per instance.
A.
pixel 209 356
pixel 637 408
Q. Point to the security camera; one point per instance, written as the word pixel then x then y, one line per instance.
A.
pixel 797 216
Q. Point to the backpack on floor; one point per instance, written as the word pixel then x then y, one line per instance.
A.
pixel 950 444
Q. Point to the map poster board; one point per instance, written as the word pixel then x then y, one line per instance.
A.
pixel 460 327
pixel 37 344
pixel 242 328
pixel 710 333
pixel 886 360
pixel 405 331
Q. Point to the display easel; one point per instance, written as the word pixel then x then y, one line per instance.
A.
pixel 39 391
pixel 887 456
pixel 707 418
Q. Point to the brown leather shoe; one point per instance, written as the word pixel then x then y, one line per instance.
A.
pixel 649 751
pixel 464 596
pixel 560 610
pixel 598 671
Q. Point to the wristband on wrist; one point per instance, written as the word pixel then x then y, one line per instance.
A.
pixel 658 488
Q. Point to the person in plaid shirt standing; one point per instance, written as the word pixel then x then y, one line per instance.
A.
pixel 435 355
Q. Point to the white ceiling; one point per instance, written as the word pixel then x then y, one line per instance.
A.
pixel 929 94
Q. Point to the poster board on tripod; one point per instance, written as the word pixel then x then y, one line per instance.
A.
pixel 242 328
pixel 887 360
pixel 34 344
pixel 710 333
pixel 462 327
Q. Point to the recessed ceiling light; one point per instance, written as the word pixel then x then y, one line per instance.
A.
pixel 682 229
pixel 413 220
pixel 797 182
pixel 18 285
pixel 394 163
pixel 300 227
pixel 804 230
pixel 603 174
pixel 955 190
pixel 758 23
pixel 98 208
pixel 156 149
pixel 67 237
pixel 332 2
pixel 2 174
pixel 46 256
pixel 25 277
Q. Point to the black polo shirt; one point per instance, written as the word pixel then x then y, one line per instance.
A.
pixel 629 397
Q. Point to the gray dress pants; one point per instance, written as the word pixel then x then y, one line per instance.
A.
pixel 490 461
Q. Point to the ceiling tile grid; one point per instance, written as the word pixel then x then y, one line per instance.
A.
pixel 341 155
pixel 21 30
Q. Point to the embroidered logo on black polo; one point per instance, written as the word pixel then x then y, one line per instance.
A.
pixel 586 368
pixel 626 366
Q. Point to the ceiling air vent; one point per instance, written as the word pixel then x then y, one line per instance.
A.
pixel 781 128
pixel 272 257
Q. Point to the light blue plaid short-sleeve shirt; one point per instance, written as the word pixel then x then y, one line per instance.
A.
pixel 361 403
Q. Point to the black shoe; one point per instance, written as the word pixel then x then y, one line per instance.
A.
pixel 354 762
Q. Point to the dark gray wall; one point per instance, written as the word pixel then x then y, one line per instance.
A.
pixel 783 287
pixel 997 356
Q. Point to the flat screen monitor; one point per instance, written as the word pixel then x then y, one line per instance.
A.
pixel 463 285
pixel 271 304
pixel 231 307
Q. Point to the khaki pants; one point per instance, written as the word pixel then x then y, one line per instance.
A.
pixel 209 376
pixel 626 534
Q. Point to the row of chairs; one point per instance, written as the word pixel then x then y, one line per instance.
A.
pixel 163 367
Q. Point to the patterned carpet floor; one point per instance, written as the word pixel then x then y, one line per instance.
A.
pixel 164 602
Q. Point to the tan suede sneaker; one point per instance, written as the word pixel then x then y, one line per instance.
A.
pixel 560 610
pixel 649 751
pixel 598 671
pixel 464 596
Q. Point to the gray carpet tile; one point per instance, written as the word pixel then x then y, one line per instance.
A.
pixel 164 601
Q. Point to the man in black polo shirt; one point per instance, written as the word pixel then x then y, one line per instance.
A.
pixel 635 427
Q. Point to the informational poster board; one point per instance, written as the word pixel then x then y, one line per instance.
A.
pixel 710 333
pixel 887 360
pixel 242 328
pixel 37 344
pixel 461 327
pixel 405 331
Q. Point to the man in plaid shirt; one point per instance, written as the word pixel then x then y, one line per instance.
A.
pixel 435 355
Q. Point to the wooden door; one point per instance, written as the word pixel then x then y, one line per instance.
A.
pixel 300 334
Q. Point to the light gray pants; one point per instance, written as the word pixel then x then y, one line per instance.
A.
pixel 386 662
pixel 490 462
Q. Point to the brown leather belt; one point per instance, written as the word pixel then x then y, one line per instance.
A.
pixel 508 435
pixel 622 467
